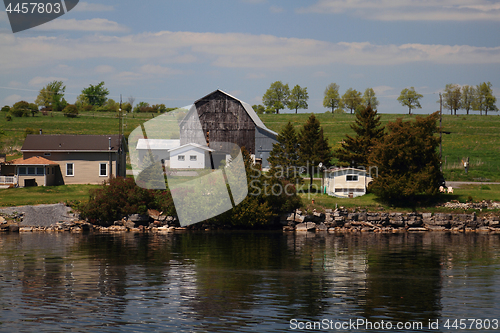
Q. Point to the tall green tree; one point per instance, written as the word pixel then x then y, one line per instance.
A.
pixel 52 96
pixel 298 98
pixel 277 96
pixel 355 151
pixel 410 98
pixel 259 109
pixel 20 109
pixel 452 97
pixel 332 97
pixel 484 99
pixel 352 99
pixel 313 147
pixel 369 98
pixel 284 158
pixel 96 95
pixel 408 160
pixel 467 98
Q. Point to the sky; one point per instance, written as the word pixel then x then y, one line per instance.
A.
pixel 175 52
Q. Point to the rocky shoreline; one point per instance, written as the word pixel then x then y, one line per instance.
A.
pixel 17 219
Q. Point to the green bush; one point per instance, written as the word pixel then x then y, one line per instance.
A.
pixel 121 197
pixel 70 111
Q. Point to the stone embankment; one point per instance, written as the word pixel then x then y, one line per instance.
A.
pixel 342 220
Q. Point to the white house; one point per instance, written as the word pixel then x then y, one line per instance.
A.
pixel 190 156
pixel 347 182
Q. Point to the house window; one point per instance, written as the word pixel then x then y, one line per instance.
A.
pixel 352 178
pixel 22 171
pixel 103 169
pixel 70 169
pixel 40 171
pixel 46 154
pixel 180 158
pixel 31 171
pixel 192 158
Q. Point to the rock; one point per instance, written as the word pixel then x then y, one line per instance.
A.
pixel 118 223
pixel 2 220
pixel 299 218
pixel 139 218
pixel 307 226
pixel 414 223
pixel 288 228
pixel 418 229
pixel 13 228
pixel 129 224
pixel 154 214
pixel 322 227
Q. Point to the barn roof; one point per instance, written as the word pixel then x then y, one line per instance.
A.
pixel 71 143
pixel 249 110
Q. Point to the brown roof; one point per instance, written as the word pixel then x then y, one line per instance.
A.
pixel 35 160
pixel 70 143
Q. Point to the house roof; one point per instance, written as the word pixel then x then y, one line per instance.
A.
pixel 158 144
pixel 71 143
pixel 35 160
pixel 249 110
pixel 195 145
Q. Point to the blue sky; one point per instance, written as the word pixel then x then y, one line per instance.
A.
pixel 174 52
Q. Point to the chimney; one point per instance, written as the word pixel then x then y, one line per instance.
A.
pixel 41 131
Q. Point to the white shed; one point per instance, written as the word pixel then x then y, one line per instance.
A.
pixel 160 149
pixel 190 156
pixel 347 182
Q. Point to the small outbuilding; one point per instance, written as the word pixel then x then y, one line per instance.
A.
pixel 190 156
pixel 347 182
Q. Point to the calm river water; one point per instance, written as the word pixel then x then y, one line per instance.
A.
pixel 249 282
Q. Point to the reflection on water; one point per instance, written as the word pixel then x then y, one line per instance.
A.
pixel 242 281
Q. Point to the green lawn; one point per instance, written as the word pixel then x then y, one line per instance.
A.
pixel 44 195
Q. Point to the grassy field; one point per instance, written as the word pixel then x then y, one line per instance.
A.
pixel 476 137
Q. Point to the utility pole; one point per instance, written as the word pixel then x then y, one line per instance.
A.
pixel 440 129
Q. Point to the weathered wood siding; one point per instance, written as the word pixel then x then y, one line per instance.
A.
pixel 226 120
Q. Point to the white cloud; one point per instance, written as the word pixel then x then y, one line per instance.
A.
pixel 103 69
pixel 10 100
pixel 410 10
pixel 92 7
pixel 230 50
pixel 96 24
pixel 43 81
pixel 159 70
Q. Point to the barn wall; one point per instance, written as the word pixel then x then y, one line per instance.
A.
pixel 226 121
pixel 264 141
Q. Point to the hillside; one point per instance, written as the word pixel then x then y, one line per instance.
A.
pixel 473 136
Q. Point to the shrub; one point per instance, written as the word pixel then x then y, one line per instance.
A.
pixel 70 111
pixel 121 197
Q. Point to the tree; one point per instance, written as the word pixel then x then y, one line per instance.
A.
pixel 284 158
pixel 313 147
pixel 127 107
pixel 351 99
pixel 484 99
pixel 369 98
pixel 33 109
pixel 159 108
pixel 96 95
pixel 6 108
pixel 467 99
pixel 298 98
pixel 70 111
pixel 143 107
pixel 20 109
pixel 52 96
pixel 259 109
pixel 452 97
pixel 408 160
pixel 276 97
pixel 410 98
pixel 356 150
pixel 332 96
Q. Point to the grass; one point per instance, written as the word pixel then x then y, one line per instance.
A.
pixel 44 195
pixel 370 202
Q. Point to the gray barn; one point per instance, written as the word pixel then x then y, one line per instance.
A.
pixel 225 118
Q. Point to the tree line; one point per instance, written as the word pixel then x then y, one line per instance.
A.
pixel 278 96
pixel 94 98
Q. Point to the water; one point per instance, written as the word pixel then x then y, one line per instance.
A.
pixel 247 282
